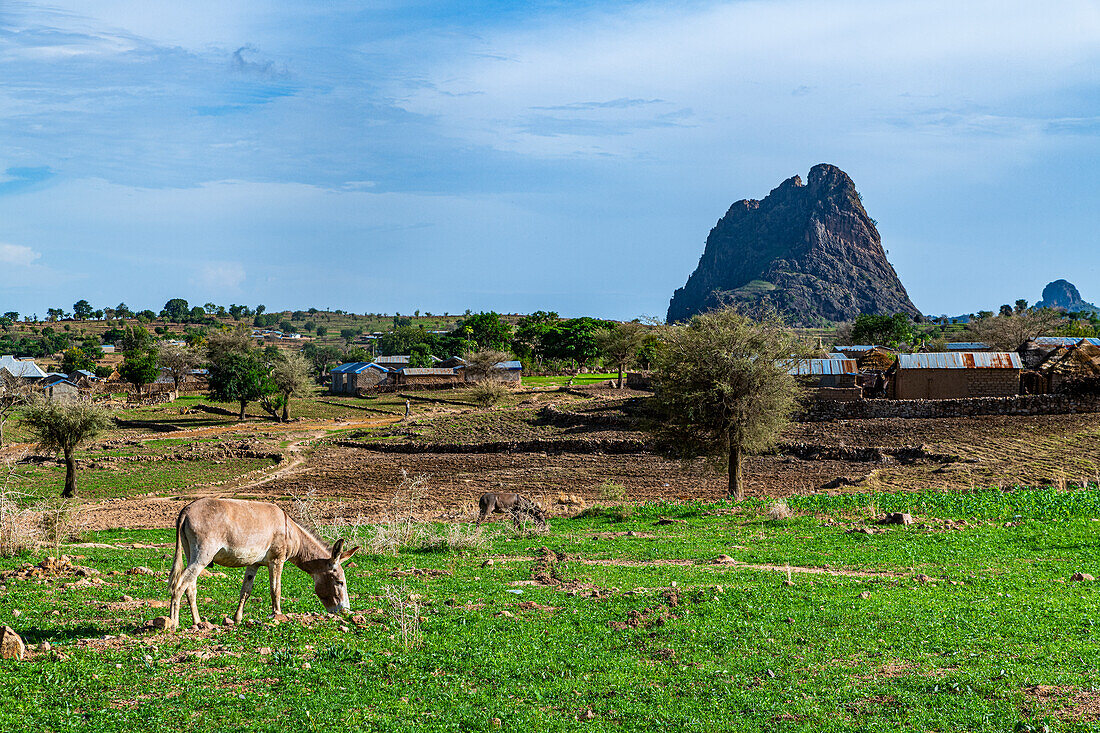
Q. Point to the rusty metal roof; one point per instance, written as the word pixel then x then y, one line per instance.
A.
pixel 961 360
pixel 821 367
pixel 859 347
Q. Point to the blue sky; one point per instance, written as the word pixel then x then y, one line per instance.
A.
pixel 569 156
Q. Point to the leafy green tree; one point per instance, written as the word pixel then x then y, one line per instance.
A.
pixel 286 326
pixel 1021 305
pixel 14 393
pixel 486 330
pixel 724 387
pixel 61 428
pixel 139 366
pixel 123 311
pixel 348 334
pixel 1006 310
pixel 74 358
pixel 420 356
pixel 240 377
pixel 321 331
pixel 321 358
pixel 82 309
pixel 619 345
pixel 12 315
pixel 176 310
pixel 885 330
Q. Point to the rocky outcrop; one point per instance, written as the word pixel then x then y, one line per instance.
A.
pixel 1063 295
pixel 810 251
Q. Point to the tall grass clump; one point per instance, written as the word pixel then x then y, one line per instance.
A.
pixel 20 529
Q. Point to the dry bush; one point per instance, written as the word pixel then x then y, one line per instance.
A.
pixel 611 491
pixel 405 613
pixel 779 511
pixel 462 538
pixel 488 392
pixel 20 530
pixel 61 522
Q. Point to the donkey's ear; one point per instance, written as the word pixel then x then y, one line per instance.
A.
pixel 349 553
pixel 337 549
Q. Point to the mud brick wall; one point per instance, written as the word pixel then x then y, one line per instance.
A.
pixel 1047 404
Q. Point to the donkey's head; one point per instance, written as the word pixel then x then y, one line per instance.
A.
pixel 328 579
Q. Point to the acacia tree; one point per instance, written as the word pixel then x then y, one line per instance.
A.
pixel 178 361
pixel 724 387
pixel 481 365
pixel 290 377
pixel 1008 332
pixel 61 428
pixel 619 345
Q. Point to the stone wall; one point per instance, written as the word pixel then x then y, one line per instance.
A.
pixel 1049 404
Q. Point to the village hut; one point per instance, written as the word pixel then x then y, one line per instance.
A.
pixel 948 375
pixel 828 379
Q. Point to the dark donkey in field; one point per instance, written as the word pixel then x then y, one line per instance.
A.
pixel 516 506
pixel 248 534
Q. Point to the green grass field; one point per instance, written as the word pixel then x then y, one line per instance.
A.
pixel 936 626
pixel 561 381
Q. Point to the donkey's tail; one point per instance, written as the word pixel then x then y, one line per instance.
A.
pixel 177 561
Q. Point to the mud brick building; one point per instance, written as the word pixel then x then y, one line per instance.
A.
pixel 939 376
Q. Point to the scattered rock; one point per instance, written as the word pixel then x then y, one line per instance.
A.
pixel 45 646
pixel 162 622
pixel 126 599
pixel 724 560
pixel 307 665
pixel 11 645
pixel 586 715
pixel 788 582
pixel 865 594
pixel 924 578
pixel 663 521
pixel 488 563
pixel 141 570
pixel 896 518
pixel 861 530
pixel 17 613
pixel 1081 577
pixel 205 626
pixel 264 651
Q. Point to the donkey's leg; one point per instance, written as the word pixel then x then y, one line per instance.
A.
pixel 246 590
pixel 275 570
pixel 193 599
pixel 181 582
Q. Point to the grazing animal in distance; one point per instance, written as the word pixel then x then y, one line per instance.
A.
pixel 251 534
pixel 516 506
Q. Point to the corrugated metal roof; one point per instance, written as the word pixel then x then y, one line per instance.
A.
pixel 966 346
pixel 356 367
pixel 837 355
pixel 397 359
pixel 25 368
pixel 508 365
pixel 859 347
pixel 820 367
pixel 1065 341
pixel 428 372
pixel 961 360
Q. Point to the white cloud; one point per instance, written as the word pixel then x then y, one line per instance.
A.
pixel 220 276
pixel 18 255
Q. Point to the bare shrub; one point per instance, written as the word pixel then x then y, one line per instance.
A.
pixel 19 525
pixel 779 511
pixel 404 611
pixel 488 392
pixel 461 538
pixel 61 522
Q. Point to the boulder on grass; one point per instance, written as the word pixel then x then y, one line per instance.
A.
pixel 11 645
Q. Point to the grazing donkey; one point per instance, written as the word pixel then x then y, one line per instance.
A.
pixel 515 506
pixel 248 534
